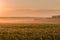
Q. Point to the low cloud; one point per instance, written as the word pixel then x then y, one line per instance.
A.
pixel 30 12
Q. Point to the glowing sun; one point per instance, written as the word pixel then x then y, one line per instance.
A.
pixel 1 6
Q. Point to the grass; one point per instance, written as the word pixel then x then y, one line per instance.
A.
pixel 29 31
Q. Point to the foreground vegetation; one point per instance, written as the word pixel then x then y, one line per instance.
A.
pixel 29 31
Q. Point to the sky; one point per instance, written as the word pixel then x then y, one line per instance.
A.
pixel 29 8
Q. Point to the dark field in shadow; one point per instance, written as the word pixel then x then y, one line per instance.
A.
pixel 29 31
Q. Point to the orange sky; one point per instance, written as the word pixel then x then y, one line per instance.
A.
pixel 29 8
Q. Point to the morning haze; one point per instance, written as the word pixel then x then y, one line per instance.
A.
pixel 29 9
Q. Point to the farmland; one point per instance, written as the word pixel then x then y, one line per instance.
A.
pixel 10 31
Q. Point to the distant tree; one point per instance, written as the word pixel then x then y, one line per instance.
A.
pixel 56 16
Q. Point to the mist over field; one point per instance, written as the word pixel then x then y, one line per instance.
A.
pixel 38 20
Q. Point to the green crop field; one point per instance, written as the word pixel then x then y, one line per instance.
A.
pixel 29 31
